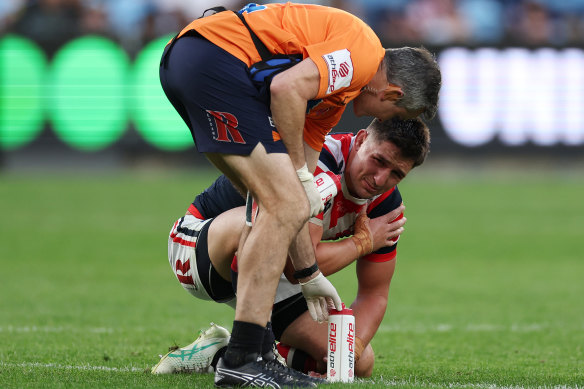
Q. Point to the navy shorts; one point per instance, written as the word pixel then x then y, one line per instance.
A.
pixel 213 93
pixel 286 312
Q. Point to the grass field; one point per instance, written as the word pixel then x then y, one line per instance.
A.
pixel 488 293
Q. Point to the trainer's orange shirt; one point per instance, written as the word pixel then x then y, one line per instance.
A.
pixel 345 49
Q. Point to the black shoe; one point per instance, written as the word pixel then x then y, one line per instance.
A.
pixel 262 374
pixel 276 365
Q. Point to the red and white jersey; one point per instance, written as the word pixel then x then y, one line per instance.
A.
pixel 341 210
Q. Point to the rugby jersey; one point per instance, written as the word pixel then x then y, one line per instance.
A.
pixel 220 197
pixel 340 212
pixel 345 50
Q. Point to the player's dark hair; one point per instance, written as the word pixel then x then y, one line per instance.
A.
pixel 411 136
pixel 416 72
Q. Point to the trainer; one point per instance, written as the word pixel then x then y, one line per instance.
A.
pixel 260 129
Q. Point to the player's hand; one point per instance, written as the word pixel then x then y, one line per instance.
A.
pixel 314 198
pixel 387 228
pixel 359 347
pixel 319 294
pixel 317 375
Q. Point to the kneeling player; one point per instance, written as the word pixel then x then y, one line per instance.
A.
pixel 364 204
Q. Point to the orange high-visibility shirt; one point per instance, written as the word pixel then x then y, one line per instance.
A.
pixel 345 50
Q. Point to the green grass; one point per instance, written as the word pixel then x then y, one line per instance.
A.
pixel 488 289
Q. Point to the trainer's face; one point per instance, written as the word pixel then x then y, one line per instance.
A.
pixel 374 167
pixel 381 103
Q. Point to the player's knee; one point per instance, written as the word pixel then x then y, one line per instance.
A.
pixel 298 212
pixel 364 366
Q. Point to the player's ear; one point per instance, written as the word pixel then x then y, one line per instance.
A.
pixel 360 138
pixel 393 92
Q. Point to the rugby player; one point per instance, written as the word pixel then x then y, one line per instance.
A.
pixel 357 176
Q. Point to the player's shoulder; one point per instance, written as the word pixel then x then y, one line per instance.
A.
pixel 335 152
pixel 384 203
pixel 338 143
pixel 222 183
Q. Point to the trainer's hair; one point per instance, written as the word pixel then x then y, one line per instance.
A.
pixel 411 136
pixel 416 71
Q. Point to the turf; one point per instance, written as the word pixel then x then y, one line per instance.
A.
pixel 488 290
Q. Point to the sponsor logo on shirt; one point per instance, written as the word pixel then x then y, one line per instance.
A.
pixel 340 67
pixel 252 7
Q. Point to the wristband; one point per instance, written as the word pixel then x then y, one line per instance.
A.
pixel 362 237
pixel 307 272
pixel 328 185
pixel 363 244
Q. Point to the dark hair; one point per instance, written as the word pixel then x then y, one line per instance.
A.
pixel 416 71
pixel 411 136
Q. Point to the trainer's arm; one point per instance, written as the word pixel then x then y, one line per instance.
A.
pixel 371 301
pixel 290 92
pixel 331 256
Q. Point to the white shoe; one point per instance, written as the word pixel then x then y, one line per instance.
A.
pixel 197 356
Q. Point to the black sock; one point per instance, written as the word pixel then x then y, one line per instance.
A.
pixel 245 344
pixel 218 355
pixel 303 362
pixel 268 343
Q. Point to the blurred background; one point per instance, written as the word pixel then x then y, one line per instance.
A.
pixel 79 83
pixel 95 167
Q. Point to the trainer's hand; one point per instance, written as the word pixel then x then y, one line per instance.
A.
pixel 319 294
pixel 306 178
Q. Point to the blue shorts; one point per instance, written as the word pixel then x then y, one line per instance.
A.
pixel 213 93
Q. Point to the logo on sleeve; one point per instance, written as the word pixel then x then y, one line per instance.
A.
pixel 340 69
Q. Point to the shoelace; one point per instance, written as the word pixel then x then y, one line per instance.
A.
pixel 280 370
pixel 274 365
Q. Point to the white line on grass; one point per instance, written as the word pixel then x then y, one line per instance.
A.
pixel 476 327
pixel 47 329
pixel 381 381
pixel 72 367
pixel 385 382
pixel 394 327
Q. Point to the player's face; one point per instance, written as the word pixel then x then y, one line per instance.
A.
pixel 374 167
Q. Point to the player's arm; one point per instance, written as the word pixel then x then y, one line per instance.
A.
pixel 382 231
pixel 331 256
pixel 372 293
